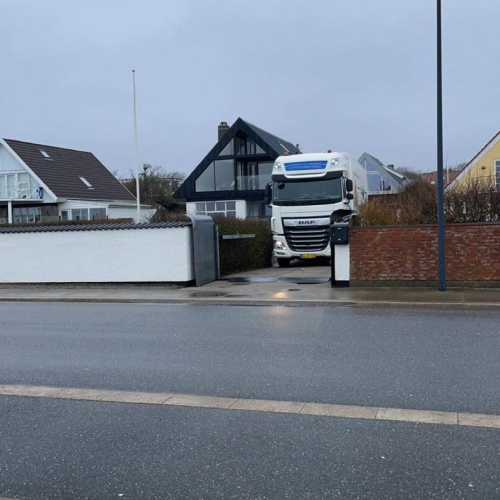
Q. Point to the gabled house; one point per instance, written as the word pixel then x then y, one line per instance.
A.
pixel 484 166
pixel 47 183
pixel 231 179
pixel 382 179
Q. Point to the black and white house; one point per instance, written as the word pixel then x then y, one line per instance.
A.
pixel 231 179
pixel 47 183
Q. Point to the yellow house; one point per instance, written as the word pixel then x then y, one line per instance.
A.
pixel 484 166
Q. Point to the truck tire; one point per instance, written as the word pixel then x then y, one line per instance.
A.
pixel 284 262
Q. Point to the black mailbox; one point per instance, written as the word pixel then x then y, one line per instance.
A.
pixel 339 235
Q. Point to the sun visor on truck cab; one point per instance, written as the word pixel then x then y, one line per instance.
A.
pixel 298 178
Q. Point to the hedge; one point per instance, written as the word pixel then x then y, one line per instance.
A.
pixel 245 254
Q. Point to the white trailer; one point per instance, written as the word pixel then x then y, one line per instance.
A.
pixel 306 189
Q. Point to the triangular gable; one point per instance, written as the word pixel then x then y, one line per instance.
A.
pixel 478 157
pixel 15 159
pixel 8 163
pixel 270 144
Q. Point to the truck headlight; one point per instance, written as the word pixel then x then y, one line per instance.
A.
pixel 277 165
pixel 335 162
pixel 279 245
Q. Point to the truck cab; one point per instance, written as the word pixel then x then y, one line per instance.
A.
pixel 304 192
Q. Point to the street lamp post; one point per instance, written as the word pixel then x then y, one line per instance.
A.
pixel 440 174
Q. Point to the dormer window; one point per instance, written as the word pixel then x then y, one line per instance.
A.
pixel 45 154
pixel 86 182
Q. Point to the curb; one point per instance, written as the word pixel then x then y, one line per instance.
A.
pixel 265 302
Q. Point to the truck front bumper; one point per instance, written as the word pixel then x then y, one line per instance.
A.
pixel 282 251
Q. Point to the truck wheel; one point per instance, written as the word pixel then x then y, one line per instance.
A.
pixel 284 262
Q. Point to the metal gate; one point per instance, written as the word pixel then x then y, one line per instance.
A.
pixel 205 249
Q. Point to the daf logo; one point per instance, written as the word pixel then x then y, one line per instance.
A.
pixel 306 222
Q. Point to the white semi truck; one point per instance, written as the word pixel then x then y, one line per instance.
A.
pixel 304 192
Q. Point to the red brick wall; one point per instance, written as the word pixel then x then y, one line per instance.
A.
pixel 409 253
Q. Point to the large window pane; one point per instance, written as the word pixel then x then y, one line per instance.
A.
pixel 265 171
pixel 206 181
pixel 80 214
pixel 228 150
pixel 374 182
pixel 369 167
pixel 240 146
pixel 97 213
pixel 253 149
pixel 224 175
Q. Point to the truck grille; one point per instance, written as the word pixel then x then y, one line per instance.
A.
pixel 307 239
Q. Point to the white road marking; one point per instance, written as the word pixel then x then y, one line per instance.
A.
pixel 261 405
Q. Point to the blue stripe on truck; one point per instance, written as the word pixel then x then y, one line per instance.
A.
pixel 305 165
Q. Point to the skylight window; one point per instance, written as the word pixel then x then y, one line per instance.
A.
pixel 86 182
pixel 44 153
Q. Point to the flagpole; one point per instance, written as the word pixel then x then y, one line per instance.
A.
pixel 137 185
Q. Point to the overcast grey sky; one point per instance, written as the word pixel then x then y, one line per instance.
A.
pixel 352 75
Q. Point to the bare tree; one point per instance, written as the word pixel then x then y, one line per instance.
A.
pixel 157 187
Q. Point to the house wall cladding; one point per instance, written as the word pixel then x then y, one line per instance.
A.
pixel 408 254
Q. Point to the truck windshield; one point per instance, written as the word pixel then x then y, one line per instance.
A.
pixel 307 192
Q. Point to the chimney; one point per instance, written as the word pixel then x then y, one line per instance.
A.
pixel 222 129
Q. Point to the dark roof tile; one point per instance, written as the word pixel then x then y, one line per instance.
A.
pixel 62 169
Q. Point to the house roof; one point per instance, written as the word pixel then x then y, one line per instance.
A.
pixel 61 170
pixel 280 146
pixel 431 177
pixel 476 157
pixel 399 178
pixel 272 145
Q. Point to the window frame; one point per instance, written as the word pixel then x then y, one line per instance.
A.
pixel 216 211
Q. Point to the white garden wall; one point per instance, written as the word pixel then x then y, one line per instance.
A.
pixel 98 256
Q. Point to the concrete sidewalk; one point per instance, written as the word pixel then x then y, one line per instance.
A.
pixel 296 286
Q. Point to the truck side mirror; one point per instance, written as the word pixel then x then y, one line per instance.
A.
pixel 349 186
pixel 268 194
pixel 349 196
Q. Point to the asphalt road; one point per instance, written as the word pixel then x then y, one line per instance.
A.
pixel 423 359
pixel 60 449
pixel 81 450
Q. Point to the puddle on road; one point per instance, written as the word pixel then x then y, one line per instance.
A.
pixel 255 279
pixel 306 281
